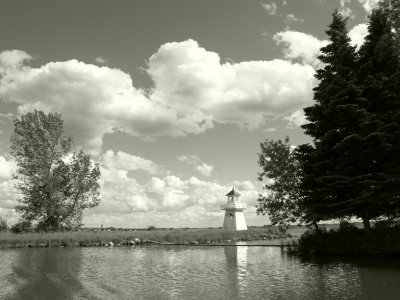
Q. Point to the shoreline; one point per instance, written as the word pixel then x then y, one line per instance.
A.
pixel 272 236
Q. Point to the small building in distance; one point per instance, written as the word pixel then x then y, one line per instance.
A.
pixel 234 217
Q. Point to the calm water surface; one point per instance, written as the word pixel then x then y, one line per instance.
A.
pixel 174 272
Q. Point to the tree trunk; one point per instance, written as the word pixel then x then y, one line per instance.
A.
pixel 366 223
pixel 316 227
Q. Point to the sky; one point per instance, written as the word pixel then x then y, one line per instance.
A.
pixel 171 98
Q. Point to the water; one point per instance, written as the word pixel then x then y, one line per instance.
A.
pixel 173 272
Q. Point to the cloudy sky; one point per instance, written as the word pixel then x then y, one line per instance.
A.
pixel 171 98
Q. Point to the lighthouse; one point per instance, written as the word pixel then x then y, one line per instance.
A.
pixel 234 218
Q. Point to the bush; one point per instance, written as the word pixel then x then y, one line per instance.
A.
pixel 3 224
pixel 283 228
pixel 350 240
pixel 21 227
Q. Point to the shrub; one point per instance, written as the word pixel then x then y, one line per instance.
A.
pixel 3 224
pixel 21 227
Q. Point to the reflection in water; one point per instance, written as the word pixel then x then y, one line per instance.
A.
pixel 178 272
pixel 46 274
pixel 8 281
pixel 236 265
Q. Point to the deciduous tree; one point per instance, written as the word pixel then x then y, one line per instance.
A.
pixel 56 184
pixel 282 175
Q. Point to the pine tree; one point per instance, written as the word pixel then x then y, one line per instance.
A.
pixel 370 158
pixel 337 114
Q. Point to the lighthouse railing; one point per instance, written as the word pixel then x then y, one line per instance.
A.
pixel 234 206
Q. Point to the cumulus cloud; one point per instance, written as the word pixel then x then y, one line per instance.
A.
pixel 13 59
pixel 300 45
pixel 167 197
pixel 163 199
pixel 92 100
pixel 7 168
pixel 8 193
pixel 127 162
pixel 192 90
pixel 193 81
pixel 205 169
pixel 357 34
pixel 200 166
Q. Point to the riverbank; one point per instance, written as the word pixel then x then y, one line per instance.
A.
pixel 206 236
pixel 350 240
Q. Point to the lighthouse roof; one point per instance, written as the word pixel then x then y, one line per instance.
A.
pixel 233 193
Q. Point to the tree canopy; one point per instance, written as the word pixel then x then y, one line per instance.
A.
pixel 56 184
pixel 352 168
pixel 281 171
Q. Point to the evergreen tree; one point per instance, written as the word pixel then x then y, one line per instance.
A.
pixel 353 169
pixel 337 114
pixel 370 158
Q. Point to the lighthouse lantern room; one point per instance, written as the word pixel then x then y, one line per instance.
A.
pixel 234 217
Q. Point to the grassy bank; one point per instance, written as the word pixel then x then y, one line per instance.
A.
pixel 349 241
pixel 99 238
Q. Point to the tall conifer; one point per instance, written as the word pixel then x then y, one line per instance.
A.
pixel 370 158
pixel 337 114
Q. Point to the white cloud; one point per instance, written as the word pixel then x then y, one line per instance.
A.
pixel 8 193
pixel 7 168
pixel 357 34
pixel 192 90
pixel 271 8
pixel 205 169
pixel 299 45
pixel 128 162
pixel 192 81
pixel 369 5
pixel 200 166
pixel 166 198
pixel 92 100
pixel 161 200
pixel 296 119
pixel 12 59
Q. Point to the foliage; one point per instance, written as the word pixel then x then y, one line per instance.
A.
pixel 351 241
pixel 3 224
pixel 281 171
pixel 22 226
pixel 337 114
pixel 376 148
pixel 56 185
pixel 353 168
pixel 151 227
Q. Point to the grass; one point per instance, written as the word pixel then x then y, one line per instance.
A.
pixel 349 240
pixel 99 238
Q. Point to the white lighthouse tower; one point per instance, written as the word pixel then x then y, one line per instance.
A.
pixel 234 218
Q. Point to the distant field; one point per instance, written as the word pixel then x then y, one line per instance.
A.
pixel 98 238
